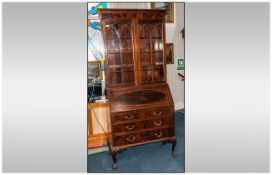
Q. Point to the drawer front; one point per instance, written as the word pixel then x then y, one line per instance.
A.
pixel 159 134
pixel 132 126
pixel 162 111
pixel 159 122
pixel 127 116
pixel 128 139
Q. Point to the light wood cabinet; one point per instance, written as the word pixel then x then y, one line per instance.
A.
pixel 97 136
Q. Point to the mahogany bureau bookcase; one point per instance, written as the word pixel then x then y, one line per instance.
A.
pixel 140 101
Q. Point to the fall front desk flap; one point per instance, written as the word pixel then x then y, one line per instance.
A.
pixel 138 97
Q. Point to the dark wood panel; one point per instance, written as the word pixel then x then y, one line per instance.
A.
pixel 160 122
pixel 131 13
pixel 128 127
pixel 128 116
pixel 114 95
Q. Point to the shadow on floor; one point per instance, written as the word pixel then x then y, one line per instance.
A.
pixel 150 158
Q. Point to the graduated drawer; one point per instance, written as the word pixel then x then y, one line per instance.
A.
pixel 127 116
pixel 159 133
pixel 162 111
pixel 132 126
pixel 127 139
pixel 159 122
pixel 138 137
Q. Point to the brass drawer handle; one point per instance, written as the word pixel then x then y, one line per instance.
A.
pixel 130 140
pixel 158 123
pixel 158 134
pixel 130 127
pixel 157 113
pixel 129 117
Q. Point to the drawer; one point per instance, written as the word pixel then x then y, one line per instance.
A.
pixel 128 139
pixel 162 111
pixel 150 123
pixel 127 116
pixel 159 134
pixel 133 138
pixel 160 122
pixel 132 126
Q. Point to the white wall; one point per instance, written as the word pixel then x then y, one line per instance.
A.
pixel 173 35
pixel 129 5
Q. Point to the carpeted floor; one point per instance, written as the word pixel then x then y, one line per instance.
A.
pixel 150 158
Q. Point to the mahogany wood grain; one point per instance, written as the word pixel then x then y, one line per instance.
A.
pixel 140 101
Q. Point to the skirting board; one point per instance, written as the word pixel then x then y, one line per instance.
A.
pixel 98 150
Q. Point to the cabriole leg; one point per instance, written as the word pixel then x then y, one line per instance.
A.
pixel 174 153
pixel 114 163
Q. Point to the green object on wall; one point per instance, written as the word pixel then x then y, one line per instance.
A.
pixel 180 64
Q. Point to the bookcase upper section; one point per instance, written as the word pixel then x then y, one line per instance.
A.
pixel 134 47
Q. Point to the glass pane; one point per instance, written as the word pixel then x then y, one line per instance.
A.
pixel 114 59
pixel 157 58
pixel 151 51
pixel 125 30
pixel 145 51
pixel 144 45
pixel 111 31
pixel 144 30
pixel 158 73
pixel 156 30
pixel 119 37
pixel 120 52
pixel 128 75
pixel 115 76
pixel 113 46
pixel 146 75
pixel 126 45
pixel 145 59
pixel 127 59
pixel 126 37
pixel 157 44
